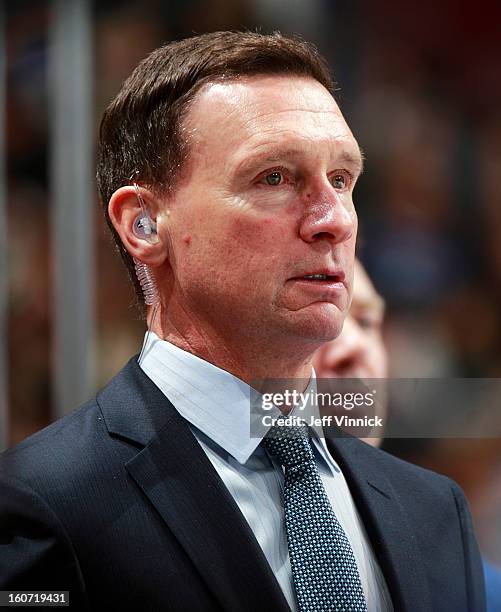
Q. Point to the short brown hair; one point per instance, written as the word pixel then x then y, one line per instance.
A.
pixel 141 128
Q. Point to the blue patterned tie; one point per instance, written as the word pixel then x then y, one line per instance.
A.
pixel 323 565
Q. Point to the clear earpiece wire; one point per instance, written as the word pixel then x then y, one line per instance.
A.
pixel 143 272
pixel 147 282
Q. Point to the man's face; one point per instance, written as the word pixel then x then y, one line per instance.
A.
pixel 265 202
pixel 359 351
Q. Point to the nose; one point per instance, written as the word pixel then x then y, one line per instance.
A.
pixel 328 218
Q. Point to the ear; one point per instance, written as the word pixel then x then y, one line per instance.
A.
pixel 124 208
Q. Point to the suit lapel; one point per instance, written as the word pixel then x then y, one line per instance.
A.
pixel 391 536
pixel 177 477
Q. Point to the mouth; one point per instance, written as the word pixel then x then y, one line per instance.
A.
pixel 326 279
pixel 333 278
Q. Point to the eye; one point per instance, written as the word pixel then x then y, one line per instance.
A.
pixel 369 323
pixel 274 178
pixel 341 180
pixel 366 323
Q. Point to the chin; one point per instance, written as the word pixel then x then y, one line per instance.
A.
pixel 329 321
pixel 320 329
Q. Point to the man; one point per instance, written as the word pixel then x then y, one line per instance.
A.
pixel 227 172
pixel 359 351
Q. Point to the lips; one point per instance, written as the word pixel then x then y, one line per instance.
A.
pixel 321 285
pixel 321 276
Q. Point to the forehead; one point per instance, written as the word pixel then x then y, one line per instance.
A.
pixel 262 113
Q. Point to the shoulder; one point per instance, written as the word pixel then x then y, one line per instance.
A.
pixel 412 478
pixel 88 450
pixel 63 445
pixel 410 483
pixel 86 440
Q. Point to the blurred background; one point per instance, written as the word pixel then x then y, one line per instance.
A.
pixel 420 85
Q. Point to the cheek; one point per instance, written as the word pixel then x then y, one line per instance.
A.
pixel 231 252
pixel 258 247
pixel 255 236
pixel 378 358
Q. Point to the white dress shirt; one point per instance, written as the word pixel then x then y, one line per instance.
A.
pixel 217 405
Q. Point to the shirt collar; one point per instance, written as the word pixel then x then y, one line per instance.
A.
pixel 213 400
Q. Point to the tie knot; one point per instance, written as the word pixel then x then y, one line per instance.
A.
pixel 289 444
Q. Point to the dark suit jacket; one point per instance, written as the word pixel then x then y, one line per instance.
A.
pixel 119 504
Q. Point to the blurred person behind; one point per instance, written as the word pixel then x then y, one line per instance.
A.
pixel 360 352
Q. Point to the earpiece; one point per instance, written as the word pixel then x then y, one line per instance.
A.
pixel 145 228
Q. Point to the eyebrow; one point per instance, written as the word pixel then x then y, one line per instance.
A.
pixel 354 160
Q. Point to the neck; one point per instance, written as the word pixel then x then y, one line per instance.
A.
pixel 248 358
